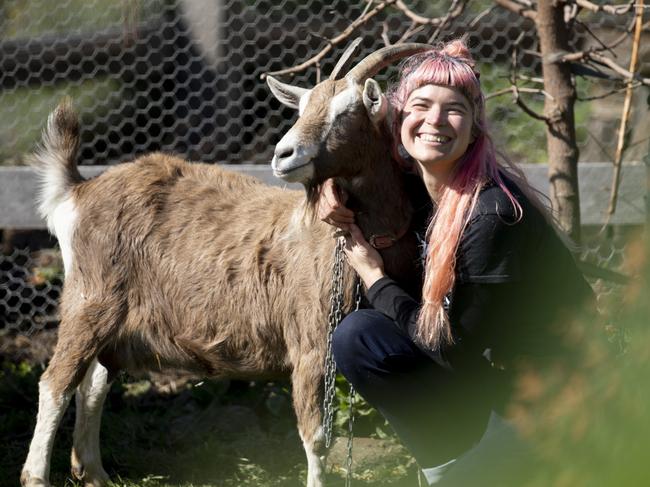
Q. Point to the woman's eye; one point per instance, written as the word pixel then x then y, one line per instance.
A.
pixel 456 109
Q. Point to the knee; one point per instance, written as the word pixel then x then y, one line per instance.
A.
pixel 349 336
pixel 361 343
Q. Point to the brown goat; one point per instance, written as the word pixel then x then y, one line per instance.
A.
pixel 172 265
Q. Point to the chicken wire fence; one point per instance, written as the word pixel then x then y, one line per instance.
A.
pixel 31 282
pixel 184 76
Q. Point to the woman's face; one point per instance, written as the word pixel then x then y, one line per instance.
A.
pixel 437 127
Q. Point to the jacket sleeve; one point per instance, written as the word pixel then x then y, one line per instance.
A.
pixel 388 297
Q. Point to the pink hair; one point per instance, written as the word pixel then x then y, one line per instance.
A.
pixel 450 65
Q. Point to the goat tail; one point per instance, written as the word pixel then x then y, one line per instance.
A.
pixel 55 161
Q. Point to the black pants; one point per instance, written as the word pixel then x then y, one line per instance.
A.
pixel 438 413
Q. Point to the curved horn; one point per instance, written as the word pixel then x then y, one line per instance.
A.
pixel 376 61
pixel 343 61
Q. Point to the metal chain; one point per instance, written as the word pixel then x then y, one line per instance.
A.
pixel 334 318
pixel 336 306
pixel 348 467
pixel 348 470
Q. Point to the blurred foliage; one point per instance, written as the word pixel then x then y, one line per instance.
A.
pixel 19 134
pixel 35 18
pixel 588 418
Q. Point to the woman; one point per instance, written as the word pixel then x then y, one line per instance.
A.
pixel 498 281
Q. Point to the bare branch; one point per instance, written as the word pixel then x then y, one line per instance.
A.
pixel 610 9
pixel 634 84
pixel 479 17
pixel 509 89
pixel 517 8
pixel 593 55
pixel 331 43
pixel 419 22
pixel 513 83
pixel 367 7
pixel 595 37
pixel 534 79
pixel 599 143
pixel 384 33
pixel 627 105
pixel 455 10
pixel 411 31
pixel 529 111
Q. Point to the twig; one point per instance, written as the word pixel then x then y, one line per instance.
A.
pixel 600 145
pixel 413 29
pixel 604 60
pixel 513 83
pixel 457 6
pixel 479 17
pixel 625 116
pixel 634 84
pixel 333 42
pixel 610 9
pixel 531 78
pixel 384 33
pixel 595 37
pixel 367 7
pixel 517 8
pixel 509 89
pixel 618 69
pixel 529 111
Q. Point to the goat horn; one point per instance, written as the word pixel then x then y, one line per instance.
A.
pixel 378 60
pixel 343 61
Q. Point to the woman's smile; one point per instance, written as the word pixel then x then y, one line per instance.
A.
pixel 434 139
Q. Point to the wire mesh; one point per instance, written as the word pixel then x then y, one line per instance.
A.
pixel 31 283
pixel 184 76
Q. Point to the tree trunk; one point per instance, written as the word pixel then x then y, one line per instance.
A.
pixel 560 129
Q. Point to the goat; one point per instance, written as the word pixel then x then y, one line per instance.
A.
pixel 172 265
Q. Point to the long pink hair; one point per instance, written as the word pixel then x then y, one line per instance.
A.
pixel 450 65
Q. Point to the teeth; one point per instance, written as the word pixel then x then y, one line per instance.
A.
pixel 440 139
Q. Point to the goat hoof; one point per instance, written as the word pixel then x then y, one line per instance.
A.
pixel 27 480
pixel 90 477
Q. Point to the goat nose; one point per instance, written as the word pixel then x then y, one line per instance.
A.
pixel 283 152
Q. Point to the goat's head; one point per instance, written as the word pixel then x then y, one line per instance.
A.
pixel 338 117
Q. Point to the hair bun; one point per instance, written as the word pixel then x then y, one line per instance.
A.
pixel 458 49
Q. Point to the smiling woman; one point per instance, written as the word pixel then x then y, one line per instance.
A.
pixel 436 130
pixel 498 288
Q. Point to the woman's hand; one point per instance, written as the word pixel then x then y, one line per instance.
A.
pixel 331 207
pixel 363 257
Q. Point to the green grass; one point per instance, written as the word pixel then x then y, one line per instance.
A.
pixel 214 434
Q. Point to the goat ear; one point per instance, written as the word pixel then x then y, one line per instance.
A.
pixel 286 94
pixel 374 101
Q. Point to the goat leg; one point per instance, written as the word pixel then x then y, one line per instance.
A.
pixel 86 456
pixel 307 380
